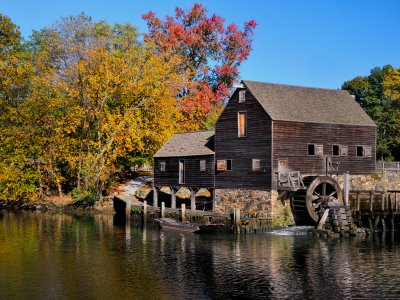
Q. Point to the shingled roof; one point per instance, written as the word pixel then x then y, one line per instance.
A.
pixel 310 105
pixel 188 144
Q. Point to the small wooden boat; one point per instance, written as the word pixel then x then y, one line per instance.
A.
pixel 171 224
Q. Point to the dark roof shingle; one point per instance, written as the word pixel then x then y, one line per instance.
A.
pixel 188 144
pixel 310 105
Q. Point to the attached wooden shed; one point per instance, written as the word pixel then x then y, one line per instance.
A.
pixel 186 160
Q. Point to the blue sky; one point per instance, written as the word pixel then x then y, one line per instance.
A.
pixel 308 42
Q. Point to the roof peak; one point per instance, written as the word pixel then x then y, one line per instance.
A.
pixel 290 85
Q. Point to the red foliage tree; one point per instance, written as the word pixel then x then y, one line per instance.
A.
pixel 211 55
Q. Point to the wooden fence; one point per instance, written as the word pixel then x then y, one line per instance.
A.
pixel 391 166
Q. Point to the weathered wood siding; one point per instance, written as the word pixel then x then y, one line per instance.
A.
pixel 241 150
pixel 290 141
pixel 193 176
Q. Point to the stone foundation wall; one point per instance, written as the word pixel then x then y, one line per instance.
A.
pixel 255 203
pixel 248 201
pixel 389 180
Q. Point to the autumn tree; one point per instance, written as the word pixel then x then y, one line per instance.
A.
pixel 378 94
pixel 18 176
pixel 97 97
pixel 211 55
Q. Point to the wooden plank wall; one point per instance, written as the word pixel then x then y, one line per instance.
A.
pixel 257 145
pixel 290 141
pixel 193 176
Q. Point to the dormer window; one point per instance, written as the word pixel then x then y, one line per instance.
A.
pixel 242 96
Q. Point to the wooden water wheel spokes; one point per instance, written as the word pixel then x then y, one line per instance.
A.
pixel 306 203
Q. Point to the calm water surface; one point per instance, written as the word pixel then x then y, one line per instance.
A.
pixel 55 256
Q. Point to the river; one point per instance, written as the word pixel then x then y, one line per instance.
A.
pixel 60 256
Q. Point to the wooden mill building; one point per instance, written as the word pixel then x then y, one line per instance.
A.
pixel 269 130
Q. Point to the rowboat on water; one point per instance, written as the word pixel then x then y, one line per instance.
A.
pixel 171 224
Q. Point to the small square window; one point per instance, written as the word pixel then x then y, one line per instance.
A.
pixel 315 149
pixel 162 166
pixel 221 165
pixel 242 96
pixel 202 165
pixel 224 165
pixel 335 150
pixel 256 165
pixel 360 151
pixel 343 150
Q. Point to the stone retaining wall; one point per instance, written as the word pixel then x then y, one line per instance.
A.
pixel 389 180
pixel 255 203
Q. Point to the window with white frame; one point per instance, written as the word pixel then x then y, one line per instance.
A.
pixel 162 166
pixel 202 165
pixel 367 151
pixel 315 149
pixel 343 150
pixel 256 165
pixel 335 150
pixel 363 151
pixel 224 164
pixel 181 171
pixel 360 151
pixel 242 96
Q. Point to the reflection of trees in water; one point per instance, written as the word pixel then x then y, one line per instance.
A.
pixel 92 256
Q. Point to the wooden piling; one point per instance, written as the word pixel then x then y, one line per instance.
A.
pixel 183 212
pixel 192 199
pixel 376 222
pixel 144 213
pixel 173 198
pixel 383 223
pixel 162 209
pixel 155 196
pixel 128 208
pixel 236 220
pixel 346 188
pixel 371 206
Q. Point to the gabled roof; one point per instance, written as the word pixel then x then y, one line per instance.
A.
pixel 310 105
pixel 188 144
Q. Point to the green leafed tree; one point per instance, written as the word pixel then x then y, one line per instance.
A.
pixel 378 95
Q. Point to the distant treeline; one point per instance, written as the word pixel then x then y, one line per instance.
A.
pixel 379 95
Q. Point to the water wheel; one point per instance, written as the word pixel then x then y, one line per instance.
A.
pixel 305 203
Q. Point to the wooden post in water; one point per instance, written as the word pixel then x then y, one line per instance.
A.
pixel 192 199
pixel 155 196
pixel 144 212
pixel 377 219
pixel 236 220
pixel 173 198
pixel 346 188
pixel 358 202
pixel 183 212
pixel 383 201
pixel 371 206
pixel 383 223
pixel 392 222
pixel 128 208
pixel 162 209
